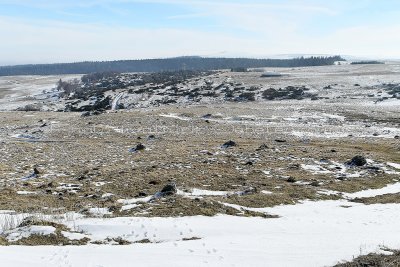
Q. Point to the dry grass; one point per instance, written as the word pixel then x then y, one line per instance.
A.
pixel 56 238
pixel 73 152
pixel 49 240
pixel 374 260
pixel 382 199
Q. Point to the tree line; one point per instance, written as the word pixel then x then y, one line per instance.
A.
pixel 158 65
pixel 366 62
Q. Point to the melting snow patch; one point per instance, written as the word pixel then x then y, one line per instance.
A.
pixel 99 183
pixel 394 165
pixel 201 192
pixel 320 135
pixel 7 211
pixel 174 116
pixel 23 136
pixel 135 200
pixel 115 129
pixel 64 186
pixel 24 232
pixel 389 189
pixel 334 116
pixel 99 211
pixel 315 169
pixel 73 236
pixel 26 193
pixel 328 192
pixel 129 207
pixel 267 192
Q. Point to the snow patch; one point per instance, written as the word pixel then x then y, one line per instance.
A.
pixel 389 189
pixel 24 232
pixel 26 193
pixel 174 116
pixel 394 165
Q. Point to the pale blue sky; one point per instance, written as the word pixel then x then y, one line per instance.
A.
pixel 64 31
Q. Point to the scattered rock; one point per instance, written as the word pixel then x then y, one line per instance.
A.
pixel 33 175
pixel 357 161
pixel 291 180
pixel 246 96
pixel 374 168
pixel 28 221
pixel 289 92
pixel 248 191
pixel 294 166
pixel 169 189
pixel 262 147
pixel 228 144
pixel 47 185
pixel 139 147
pixel 142 194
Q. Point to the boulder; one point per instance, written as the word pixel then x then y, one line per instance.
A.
pixel 262 147
pixel 291 180
pixel 169 189
pixel 139 147
pixel 228 144
pixel 357 161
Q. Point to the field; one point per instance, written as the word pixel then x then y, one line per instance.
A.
pixel 307 180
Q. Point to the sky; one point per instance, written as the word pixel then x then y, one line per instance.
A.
pixel 51 31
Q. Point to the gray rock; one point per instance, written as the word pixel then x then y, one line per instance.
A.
pixel 357 161
pixel 169 189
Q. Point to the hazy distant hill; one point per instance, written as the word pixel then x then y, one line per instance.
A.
pixel 168 64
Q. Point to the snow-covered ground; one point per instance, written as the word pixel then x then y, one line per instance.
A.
pixel 311 233
pixel 18 91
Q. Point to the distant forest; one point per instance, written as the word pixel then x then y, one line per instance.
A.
pixel 366 62
pixel 168 64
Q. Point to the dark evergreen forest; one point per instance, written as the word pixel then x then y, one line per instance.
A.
pixel 158 65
